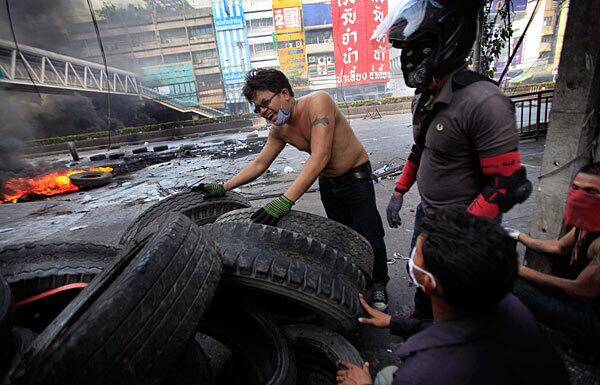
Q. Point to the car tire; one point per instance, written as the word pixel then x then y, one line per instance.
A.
pixel 322 229
pixel 91 179
pixel 95 158
pixel 34 267
pixel 20 340
pixel 261 353
pixel 132 321
pixel 191 368
pixel 328 286
pixel 318 352
pixel 160 148
pixel 7 314
pixel 139 150
pixel 194 204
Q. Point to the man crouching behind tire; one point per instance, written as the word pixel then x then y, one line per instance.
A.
pixel 314 124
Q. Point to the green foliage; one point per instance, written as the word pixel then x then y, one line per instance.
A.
pixel 495 32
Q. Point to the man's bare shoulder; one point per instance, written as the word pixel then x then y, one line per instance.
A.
pixel 594 250
pixel 319 99
pixel 275 132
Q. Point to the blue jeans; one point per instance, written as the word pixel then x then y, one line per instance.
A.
pixel 577 319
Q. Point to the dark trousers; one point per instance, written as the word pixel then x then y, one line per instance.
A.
pixel 422 300
pixel 577 319
pixel 351 201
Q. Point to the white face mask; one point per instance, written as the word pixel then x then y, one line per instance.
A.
pixel 411 271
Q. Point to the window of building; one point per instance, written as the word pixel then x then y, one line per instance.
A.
pixel 547 21
pixel 266 22
pixel 547 38
pixel 256 49
pixel 209 80
pixel 176 58
pixel 319 37
pixel 201 31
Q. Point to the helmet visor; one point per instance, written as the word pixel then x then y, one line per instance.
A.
pixel 407 17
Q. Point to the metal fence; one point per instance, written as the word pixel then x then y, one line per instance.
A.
pixel 533 112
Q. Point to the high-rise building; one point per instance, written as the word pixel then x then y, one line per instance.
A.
pixel 234 52
pixel 261 33
pixel 159 43
pixel 318 31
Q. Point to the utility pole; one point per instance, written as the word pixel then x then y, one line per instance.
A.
pixel 574 126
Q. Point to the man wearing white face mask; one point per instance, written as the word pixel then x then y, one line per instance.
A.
pixel 481 334
pixel 314 124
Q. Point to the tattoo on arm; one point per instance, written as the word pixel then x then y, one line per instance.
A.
pixel 320 120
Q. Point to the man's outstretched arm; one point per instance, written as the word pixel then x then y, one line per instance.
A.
pixel 258 166
pixel 585 287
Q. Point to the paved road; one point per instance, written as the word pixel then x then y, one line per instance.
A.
pixel 106 211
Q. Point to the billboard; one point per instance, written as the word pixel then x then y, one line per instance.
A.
pixel 316 14
pixel 357 60
pixel 174 82
pixel 292 53
pixel 232 42
pixel 515 5
pixel 289 37
pixel 287 20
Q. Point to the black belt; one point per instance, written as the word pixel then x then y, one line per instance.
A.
pixel 360 172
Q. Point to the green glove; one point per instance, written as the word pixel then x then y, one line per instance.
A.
pixel 272 211
pixel 212 190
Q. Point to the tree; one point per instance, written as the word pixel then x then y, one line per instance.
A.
pixel 494 33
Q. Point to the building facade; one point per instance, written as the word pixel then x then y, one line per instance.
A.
pixel 142 39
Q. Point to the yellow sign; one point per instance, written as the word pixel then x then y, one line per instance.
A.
pixel 286 3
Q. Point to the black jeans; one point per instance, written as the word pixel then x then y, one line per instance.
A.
pixel 422 300
pixel 351 201
pixel 577 319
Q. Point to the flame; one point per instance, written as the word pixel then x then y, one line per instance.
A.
pixel 52 183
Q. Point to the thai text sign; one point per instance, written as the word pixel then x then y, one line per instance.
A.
pixel 357 59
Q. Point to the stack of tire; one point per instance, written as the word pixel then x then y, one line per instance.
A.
pixel 194 294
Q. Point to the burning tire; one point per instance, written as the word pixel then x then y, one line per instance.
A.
pixel 6 317
pixel 297 269
pixel 260 352
pixel 193 204
pixel 318 351
pixel 116 155
pixel 129 325
pixel 322 229
pixel 91 179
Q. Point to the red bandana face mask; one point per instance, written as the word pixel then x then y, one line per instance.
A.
pixel 583 210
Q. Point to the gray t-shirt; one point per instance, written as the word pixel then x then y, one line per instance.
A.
pixel 474 121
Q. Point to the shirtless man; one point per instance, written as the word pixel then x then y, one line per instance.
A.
pixel 314 124
pixel 570 300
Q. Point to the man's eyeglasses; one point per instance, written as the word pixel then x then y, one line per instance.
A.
pixel 265 103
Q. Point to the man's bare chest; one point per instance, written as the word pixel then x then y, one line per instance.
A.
pixel 296 139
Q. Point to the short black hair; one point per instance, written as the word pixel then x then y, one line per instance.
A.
pixel 265 79
pixel 591 169
pixel 473 258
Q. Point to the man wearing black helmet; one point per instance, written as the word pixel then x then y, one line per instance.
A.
pixel 466 142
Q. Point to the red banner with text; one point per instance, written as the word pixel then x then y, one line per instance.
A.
pixel 357 59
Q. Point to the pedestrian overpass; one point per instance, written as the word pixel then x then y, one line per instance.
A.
pixel 29 68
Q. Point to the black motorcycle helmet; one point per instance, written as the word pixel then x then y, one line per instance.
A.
pixel 447 27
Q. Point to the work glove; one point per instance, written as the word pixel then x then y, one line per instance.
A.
pixel 393 210
pixel 272 211
pixel 211 190
pixel 513 233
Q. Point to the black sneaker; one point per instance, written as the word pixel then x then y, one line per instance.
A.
pixel 380 297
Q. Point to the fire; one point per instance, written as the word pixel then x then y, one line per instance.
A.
pixel 52 183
